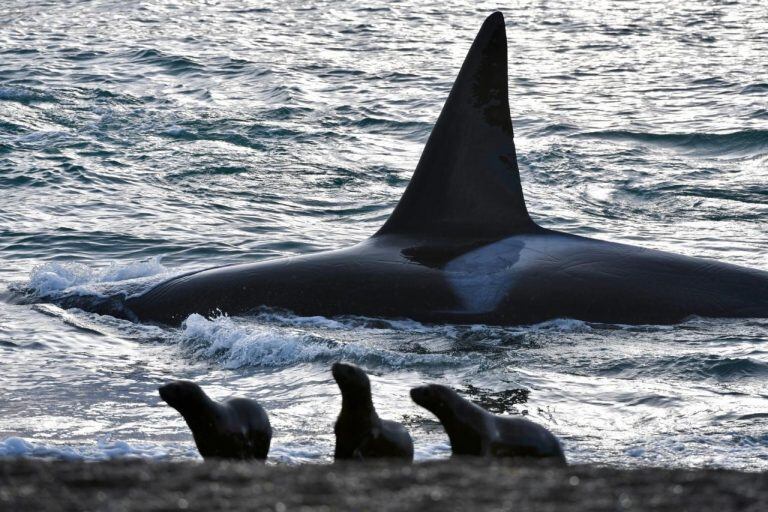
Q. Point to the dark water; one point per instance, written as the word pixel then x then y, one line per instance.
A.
pixel 140 140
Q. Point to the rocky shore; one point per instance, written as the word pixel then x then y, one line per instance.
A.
pixel 125 485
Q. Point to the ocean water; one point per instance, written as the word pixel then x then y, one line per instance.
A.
pixel 139 140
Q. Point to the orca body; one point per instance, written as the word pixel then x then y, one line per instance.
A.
pixel 460 246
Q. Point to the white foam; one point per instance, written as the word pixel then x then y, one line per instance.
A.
pixel 53 277
pixel 303 321
pixel 132 270
pixel 350 322
pixel 104 448
pixel 562 324
pixel 432 451
pixel 298 453
pixel 722 450
pixel 236 346
pixel 121 449
pixel 175 131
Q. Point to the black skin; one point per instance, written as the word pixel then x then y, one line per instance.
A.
pixel 237 428
pixel 360 433
pixel 475 432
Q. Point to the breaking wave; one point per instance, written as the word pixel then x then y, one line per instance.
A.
pixel 235 346
pixel 103 449
pixel 55 278
pixel 738 143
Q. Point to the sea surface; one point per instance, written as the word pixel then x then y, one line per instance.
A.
pixel 139 140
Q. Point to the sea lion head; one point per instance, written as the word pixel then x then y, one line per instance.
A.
pixel 182 394
pixel 435 398
pixel 352 380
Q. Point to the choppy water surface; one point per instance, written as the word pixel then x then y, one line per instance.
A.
pixel 143 139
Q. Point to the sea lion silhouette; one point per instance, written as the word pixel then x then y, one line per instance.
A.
pixel 237 428
pixel 360 433
pixel 473 431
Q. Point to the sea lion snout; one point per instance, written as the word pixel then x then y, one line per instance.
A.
pixel 168 393
pixel 427 396
pixel 420 394
pixel 349 375
pixel 337 369
pixel 180 392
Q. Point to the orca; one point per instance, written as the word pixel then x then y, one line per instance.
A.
pixel 460 246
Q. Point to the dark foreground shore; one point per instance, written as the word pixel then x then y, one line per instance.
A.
pixel 466 485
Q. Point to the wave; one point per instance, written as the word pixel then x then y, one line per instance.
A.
pixel 236 139
pixel 285 452
pixel 738 143
pixel 286 318
pixel 236 346
pixel 223 170
pixel 174 64
pixel 55 279
pixel 414 130
pixel 759 88
pixel 103 449
pixel 707 366
pixel 733 368
pixel 45 138
pixel 714 449
pixel 23 95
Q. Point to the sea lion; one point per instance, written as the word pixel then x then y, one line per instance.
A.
pixel 473 431
pixel 237 428
pixel 360 433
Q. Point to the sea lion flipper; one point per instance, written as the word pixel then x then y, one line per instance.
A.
pixel 487 448
pixel 362 447
pixel 365 444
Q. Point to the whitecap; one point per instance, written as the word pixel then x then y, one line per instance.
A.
pixel 349 322
pixel 562 324
pixel 103 449
pixel 54 277
pixel 234 346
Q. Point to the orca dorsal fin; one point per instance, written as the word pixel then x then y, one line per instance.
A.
pixel 467 181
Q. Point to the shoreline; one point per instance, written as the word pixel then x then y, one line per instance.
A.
pixel 126 485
